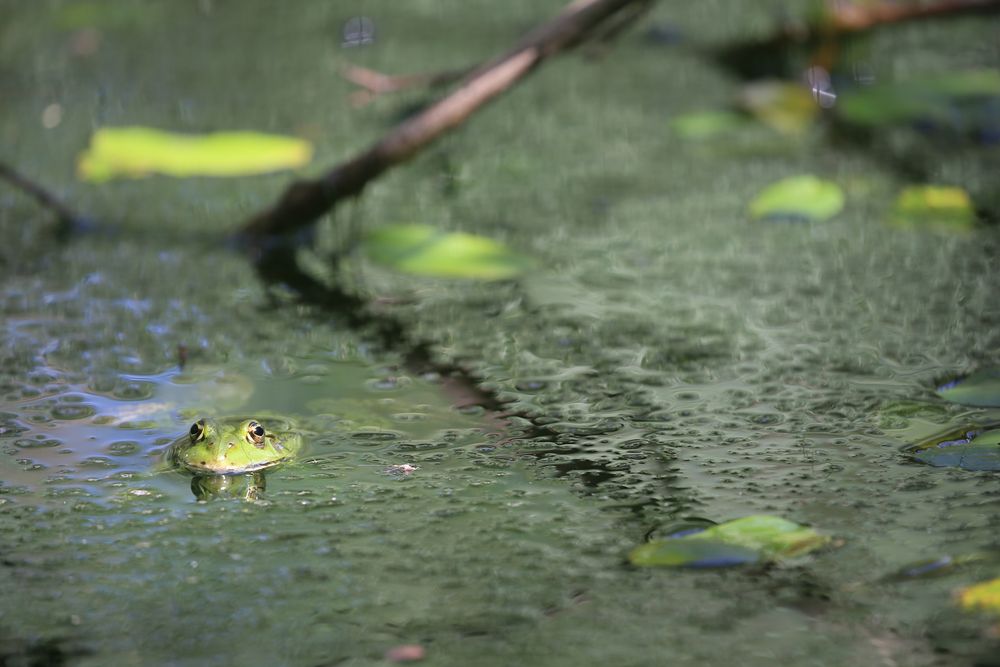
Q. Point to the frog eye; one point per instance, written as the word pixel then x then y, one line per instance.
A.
pixel 255 434
pixel 197 430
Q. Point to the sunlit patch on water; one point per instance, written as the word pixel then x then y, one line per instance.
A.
pixel 64 440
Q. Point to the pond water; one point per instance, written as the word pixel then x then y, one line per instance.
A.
pixel 668 360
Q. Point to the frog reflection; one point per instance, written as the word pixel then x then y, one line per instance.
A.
pixel 249 486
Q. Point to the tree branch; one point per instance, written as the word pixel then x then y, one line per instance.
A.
pixel 305 201
pixel 45 198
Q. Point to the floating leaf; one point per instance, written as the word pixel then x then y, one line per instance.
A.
pixel 929 98
pixel 705 124
pixel 747 540
pixel 981 389
pixel 425 250
pixel 772 535
pixel 940 566
pixel 968 448
pixel 798 198
pixel 786 107
pixel 683 552
pixel 935 206
pixel 138 151
pixel 981 597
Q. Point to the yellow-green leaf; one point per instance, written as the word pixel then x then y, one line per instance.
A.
pixel 981 597
pixel 934 206
pixel 139 151
pixel 760 537
pixel 772 535
pixel 786 107
pixel 798 198
pixel 425 250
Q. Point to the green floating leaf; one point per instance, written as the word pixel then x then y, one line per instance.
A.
pixel 981 389
pixel 798 198
pixel 706 124
pixel 929 98
pixel 138 151
pixel 981 597
pixel 968 448
pixel 747 540
pixel 772 535
pixel 682 552
pixel 786 107
pixel 427 251
pixel 934 206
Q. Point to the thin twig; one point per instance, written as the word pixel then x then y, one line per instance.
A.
pixel 373 83
pixel 305 201
pixel 45 198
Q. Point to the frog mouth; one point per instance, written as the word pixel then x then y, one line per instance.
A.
pixel 205 469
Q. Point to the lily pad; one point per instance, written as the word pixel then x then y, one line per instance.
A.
pixel 798 198
pixel 934 206
pixel 967 448
pixel 981 389
pixel 134 152
pixel 706 124
pixel 427 251
pixel 981 597
pixel 928 98
pixel 755 538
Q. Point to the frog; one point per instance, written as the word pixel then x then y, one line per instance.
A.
pixel 233 446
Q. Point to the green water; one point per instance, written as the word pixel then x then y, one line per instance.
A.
pixel 668 360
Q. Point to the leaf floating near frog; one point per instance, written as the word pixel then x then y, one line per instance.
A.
pixel 134 152
pixel 968 448
pixel 937 207
pixel 804 198
pixel 752 539
pixel 682 552
pixel 981 389
pixel 427 251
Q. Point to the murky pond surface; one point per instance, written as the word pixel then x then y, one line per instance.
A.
pixel 667 360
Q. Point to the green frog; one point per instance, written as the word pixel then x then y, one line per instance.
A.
pixel 233 446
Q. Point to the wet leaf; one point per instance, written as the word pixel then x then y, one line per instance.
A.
pixel 966 448
pixel 935 206
pixel 939 567
pixel 706 124
pixel 798 198
pixel 981 389
pixel 425 250
pixel 928 98
pixel 134 152
pixel 683 552
pixel 981 597
pixel 772 535
pixel 747 540
pixel 786 107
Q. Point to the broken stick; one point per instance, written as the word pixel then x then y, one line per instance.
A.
pixel 305 201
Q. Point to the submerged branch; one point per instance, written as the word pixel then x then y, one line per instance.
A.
pixel 305 201
pixel 66 216
pixel 373 83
